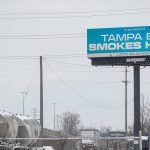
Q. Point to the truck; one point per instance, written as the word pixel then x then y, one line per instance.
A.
pixel 90 139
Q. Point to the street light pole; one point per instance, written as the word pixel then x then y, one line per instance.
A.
pixel 54 115
pixel 23 94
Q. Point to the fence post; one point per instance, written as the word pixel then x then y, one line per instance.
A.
pixel 140 140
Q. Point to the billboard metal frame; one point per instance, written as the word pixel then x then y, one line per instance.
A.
pixel 121 61
pixel 123 46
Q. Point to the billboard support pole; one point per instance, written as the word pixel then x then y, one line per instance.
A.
pixel 137 124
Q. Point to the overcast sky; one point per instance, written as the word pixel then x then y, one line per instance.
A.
pixel 96 93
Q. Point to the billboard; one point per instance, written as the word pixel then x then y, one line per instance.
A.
pixel 118 42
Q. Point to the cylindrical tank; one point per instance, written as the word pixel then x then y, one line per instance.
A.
pixel 8 126
pixel 27 128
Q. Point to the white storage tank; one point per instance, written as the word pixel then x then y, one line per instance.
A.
pixel 8 126
pixel 27 128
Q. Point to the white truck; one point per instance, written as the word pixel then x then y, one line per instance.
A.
pixel 90 139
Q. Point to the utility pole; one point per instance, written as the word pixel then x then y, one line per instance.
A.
pixel 137 123
pixel 23 98
pixel 41 95
pixel 54 115
pixel 126 100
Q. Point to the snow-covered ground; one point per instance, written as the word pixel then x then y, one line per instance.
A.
pixel 43 148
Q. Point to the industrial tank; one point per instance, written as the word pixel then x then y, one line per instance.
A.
pixel 27 128
pixel 8 126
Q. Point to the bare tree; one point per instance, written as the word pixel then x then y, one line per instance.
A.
pixel 105 131
pixel 145 116
pixel 130 130
pixel 69 123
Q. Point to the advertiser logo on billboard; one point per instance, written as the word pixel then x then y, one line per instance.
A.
pixel 118 42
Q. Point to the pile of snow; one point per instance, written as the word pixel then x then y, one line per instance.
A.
pixel 43 148
pixel 48 148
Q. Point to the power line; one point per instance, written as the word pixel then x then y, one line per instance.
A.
pixel 70 56
pixel 88 71
pixel 40 38
pixel 65 55
pixel 19 57
pixel 37 57
pixel 74 91
pixel 87 82
pixel 66 17
pixel 43 36
pixel 78 65
pixel 40 35
pixel 34 73
pixel 71 12
pixel 67 63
